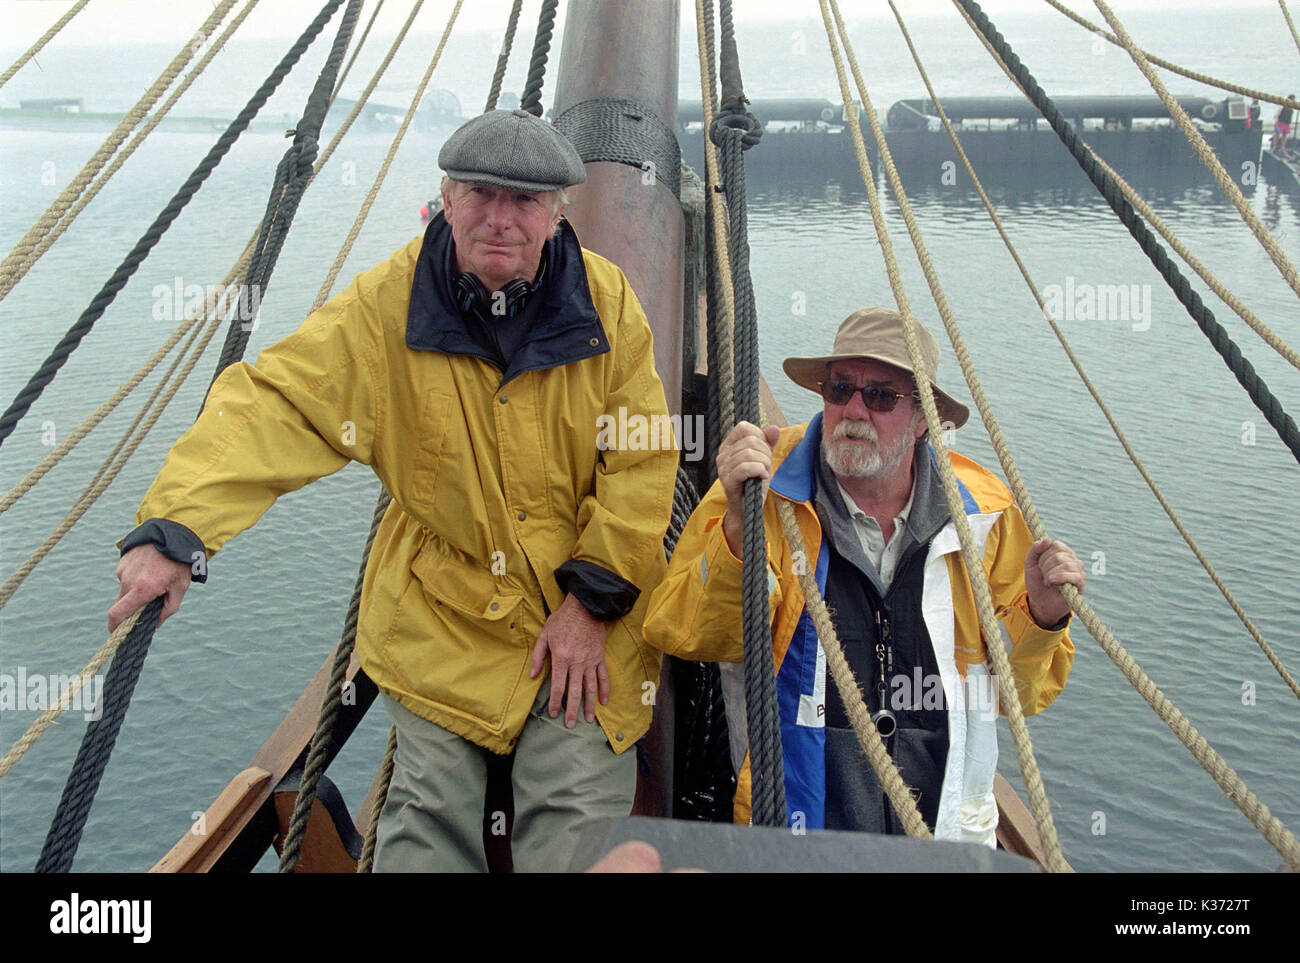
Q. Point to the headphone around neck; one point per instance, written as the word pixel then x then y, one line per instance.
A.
pixel 473 298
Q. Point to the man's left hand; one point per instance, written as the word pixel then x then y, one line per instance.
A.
pixel 1048 566
pixel 576 641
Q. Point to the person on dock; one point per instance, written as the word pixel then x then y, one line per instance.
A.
pixel 471 371
pixel 1282 130
pixel 879 539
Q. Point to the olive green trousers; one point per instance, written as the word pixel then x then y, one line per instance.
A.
pixel 563 779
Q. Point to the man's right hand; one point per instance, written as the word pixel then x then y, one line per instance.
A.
pixel 745 453
pixel 145 574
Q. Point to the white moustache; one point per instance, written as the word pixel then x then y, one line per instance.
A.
pixel 857 430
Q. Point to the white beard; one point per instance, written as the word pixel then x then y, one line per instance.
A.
pixel 850 460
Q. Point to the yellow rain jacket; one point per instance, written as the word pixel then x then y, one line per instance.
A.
pixel 494 485
pixel 696 614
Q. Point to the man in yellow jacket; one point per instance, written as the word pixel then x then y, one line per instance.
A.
pixel 472 371
pixel 877 533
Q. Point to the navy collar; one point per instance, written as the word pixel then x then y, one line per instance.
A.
pixel 566 327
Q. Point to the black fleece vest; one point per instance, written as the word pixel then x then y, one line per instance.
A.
pixel 854 799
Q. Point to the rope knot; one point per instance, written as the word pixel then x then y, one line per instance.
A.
pixel 736 118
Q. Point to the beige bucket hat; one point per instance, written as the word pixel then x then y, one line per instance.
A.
pixel 876 334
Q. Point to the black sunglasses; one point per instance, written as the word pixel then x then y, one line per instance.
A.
pixel 874 397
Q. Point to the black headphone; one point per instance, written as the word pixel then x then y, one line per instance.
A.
pixel 471 296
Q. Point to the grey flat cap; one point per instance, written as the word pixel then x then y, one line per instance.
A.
pixel 512 149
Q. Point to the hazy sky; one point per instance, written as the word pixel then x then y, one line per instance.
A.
pixel 144 20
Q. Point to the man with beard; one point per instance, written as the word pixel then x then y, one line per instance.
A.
pixel 879 538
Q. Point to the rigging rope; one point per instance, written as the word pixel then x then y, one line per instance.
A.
pixel 1009 698
pixel 356 51
pixel 1290 24
pixel 503 58
pixel 733 131
pixel 1207 155
pixel 1078 367
pixel 367 862
pixel 12 267
pixel 720 331
pixel 46 37
pixel 1228 780
pixel 531 100
pixel 88 194
pixel 101 735
pixel 1241 369
pixel 50 367
pixel 1189 74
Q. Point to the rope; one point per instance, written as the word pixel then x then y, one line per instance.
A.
pixel 891 780
pixel 531 100
pixel 1241 369
pixel 1290 24
pixel 323 737
pixel 293 174
pixel 50 367
pixel 9 268
pixel 1026 503
pixel 1010 700
pixel 21 267
pixel 96 746
pixel 733 131
pixel 1232 785
pixel 721 329
pixel 323 294
pixel 503 58
pixel 46 718
pixel 367 862
pixel 1205 152
pixel 356 51
pixel 1183 71
pixel 46 37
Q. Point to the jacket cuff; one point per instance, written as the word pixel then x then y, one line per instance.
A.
pixel 173 540
pixel 602 593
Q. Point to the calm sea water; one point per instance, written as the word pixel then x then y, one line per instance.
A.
pixel 1126 795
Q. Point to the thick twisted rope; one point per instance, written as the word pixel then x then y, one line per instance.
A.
pixel 294 172
pixel 732 132
pixel 531 100
pixel 45 38
pixel 1175 68
pixel 97 745
pixel 12 268
pixel 1242 370
pixel 22 266
pixel 1010 700
pixel 367 862
pixel 1228 780
pixel 356 51
pixel 322 739
pixel 50 367
pixel 891 780
pixel 721 326
pixel 48 717
pixel 1026 504
pixel 1290 24
pixel 503 58
pixel 1204 151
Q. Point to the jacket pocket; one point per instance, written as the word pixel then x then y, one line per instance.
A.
pixel 472 591
pixel 429 453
